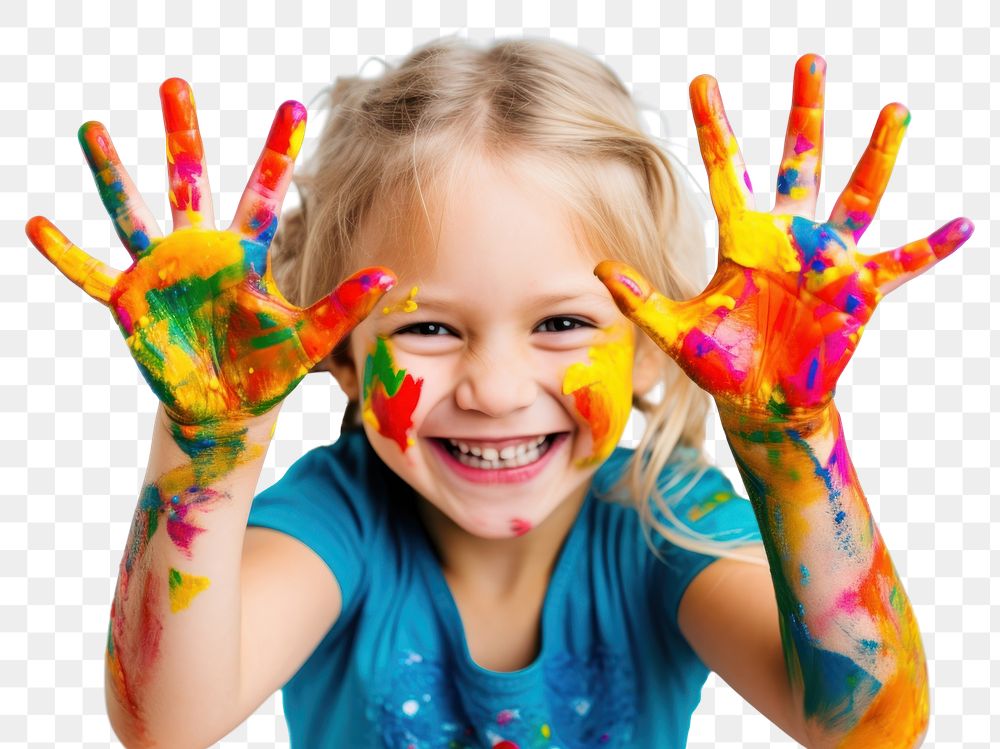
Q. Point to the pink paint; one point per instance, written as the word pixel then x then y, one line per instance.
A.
pixel 520 526
pixel 803 144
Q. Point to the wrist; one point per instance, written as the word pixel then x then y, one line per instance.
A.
pixel 225 436
pixel 748 418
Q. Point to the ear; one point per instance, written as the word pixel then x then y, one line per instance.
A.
pixel 648 366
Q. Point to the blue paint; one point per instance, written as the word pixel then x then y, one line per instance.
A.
pixel 813 369
pixel 804 572
pixel 254 256
pixel 786 180
pixel 851 303
pixel 812 238
pixel 869 645
pixel 839 517
pixel 138 239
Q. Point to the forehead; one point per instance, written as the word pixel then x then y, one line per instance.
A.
pixel 486 232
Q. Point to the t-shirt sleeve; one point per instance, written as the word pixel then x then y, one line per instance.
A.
pixel 711 507
pixel 322 501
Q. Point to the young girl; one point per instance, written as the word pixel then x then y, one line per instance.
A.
pixel 471 563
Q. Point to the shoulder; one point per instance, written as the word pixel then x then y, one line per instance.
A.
pixel 693 494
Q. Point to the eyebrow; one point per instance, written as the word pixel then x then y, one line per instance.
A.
pixel 546 300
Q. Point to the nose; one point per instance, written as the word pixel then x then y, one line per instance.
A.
pixel 496 385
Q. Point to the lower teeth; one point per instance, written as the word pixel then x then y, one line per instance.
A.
pixel 529 456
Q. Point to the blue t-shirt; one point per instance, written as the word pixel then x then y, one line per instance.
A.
pixel 395 670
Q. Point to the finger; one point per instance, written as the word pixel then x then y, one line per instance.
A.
pixel 134 222
pixel 89 273
pixel 332 317
pixel 801 163
pixel 187 173
pixel 665 321
pixel 257 214
pixel 728 181
pixel 857 204
pixel 895 267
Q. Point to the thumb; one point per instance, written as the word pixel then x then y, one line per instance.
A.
pixel 665 321
pixel 330 319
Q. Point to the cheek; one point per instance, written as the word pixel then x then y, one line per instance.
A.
pixel 602 392
pixel 389 395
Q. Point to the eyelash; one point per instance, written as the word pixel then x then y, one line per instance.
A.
pixel 413 329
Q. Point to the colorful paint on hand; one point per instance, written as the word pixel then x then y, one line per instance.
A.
pixel 602 390
pixel 390 395
pixel 769 338
pixel 212 335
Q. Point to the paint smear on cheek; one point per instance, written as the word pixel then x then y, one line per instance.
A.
pixel 390 396
pixel 602 392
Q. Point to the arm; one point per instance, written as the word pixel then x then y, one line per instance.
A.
pixel 768 338
pixel 849 637
pixel 221 348
pixel 175 632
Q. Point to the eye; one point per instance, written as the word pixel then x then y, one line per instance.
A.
pixel 562 324
pixel 424 329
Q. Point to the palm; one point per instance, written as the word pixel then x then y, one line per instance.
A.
pixel 783 314
pixel 209 329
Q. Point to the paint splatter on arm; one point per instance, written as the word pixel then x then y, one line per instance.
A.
pixel 769 338
pixel 220 346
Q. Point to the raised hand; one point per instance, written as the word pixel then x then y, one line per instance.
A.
pixel 782 316
pixel 200 311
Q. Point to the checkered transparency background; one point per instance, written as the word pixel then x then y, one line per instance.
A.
pixel 919 401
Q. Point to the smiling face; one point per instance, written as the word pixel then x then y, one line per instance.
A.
pixel 498 397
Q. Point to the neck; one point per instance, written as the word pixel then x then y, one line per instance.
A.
pixel 505 567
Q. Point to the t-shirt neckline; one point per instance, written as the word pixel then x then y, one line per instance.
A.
pixel 447 608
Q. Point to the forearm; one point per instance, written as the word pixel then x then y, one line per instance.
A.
pixel 851 642
pixel 174 634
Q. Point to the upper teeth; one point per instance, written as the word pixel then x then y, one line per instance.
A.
pixel 491 453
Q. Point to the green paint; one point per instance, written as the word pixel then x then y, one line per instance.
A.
pixel 175 578
pixel 271 339
pixel 265 321
pixel 379 365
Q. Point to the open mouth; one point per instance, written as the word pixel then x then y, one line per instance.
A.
pixel 513 454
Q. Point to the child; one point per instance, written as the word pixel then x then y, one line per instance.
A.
pixel 466 565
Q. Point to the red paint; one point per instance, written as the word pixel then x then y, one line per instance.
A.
pixel 520 526
pixel 395 414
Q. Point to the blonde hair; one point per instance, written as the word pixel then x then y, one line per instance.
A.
pixel 389 137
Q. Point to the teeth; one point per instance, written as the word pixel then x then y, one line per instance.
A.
pixel 490 453
pixel 489 458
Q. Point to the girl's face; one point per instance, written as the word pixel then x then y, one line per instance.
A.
pixel 500 394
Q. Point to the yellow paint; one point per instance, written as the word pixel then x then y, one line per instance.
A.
pixel 406 305
pixel 183 589
pixel 754 240
pixel 295 139
pixel 546 731
pixel 720 300
pixel 602 389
